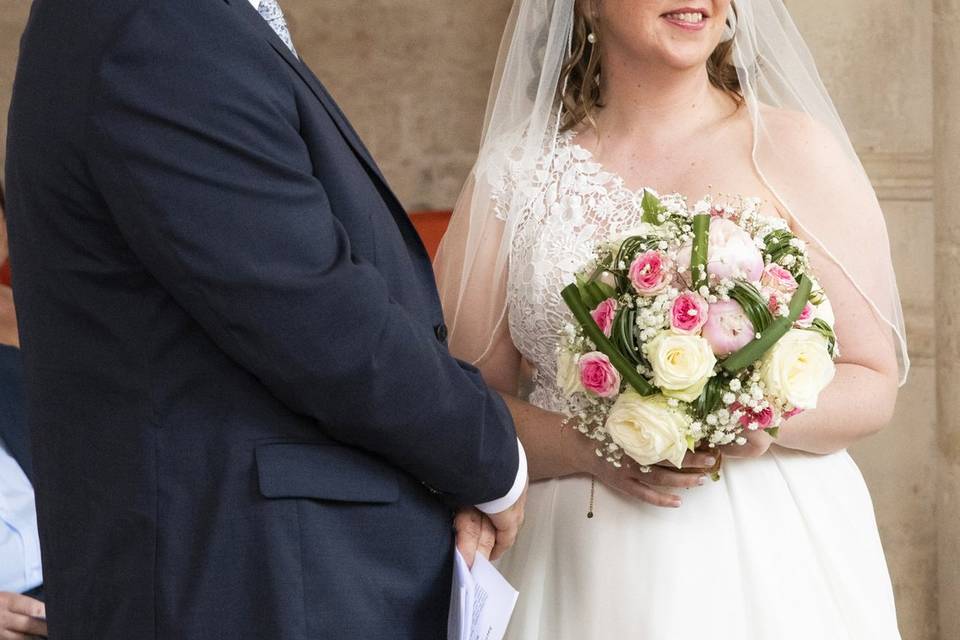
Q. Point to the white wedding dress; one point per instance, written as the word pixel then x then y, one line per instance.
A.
pixel 783 547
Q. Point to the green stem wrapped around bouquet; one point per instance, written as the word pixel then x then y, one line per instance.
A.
pixel 571 295
pixel 755 350
pixel 698 254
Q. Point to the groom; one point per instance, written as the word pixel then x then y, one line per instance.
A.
pixel 246 423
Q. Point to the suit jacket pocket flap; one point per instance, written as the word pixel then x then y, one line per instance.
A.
pixel 324 472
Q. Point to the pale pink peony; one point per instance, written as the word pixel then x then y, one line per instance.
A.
pixel 776 277
pixel 728 328
pixel 731 253
pixel 598 375
pixel 604 315
pixel 763 418
pixel 689 313
pixel 651 272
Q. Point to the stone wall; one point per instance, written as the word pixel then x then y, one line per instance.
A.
pixel 413 76
pixel 875 57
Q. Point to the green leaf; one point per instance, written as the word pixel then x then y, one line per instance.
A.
pixel 774 432
pixel 701 243
pixel 606 290
pixel 595 294
pixel 652 208
pixel 711 396
pixel 571 295
pixel 778 245
pixel 754 350
pixel 751 300
pixel 624 325
pixel 823 328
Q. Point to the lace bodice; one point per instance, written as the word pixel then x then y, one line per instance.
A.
pixel 570 204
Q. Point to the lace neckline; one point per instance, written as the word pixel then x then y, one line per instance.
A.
pixel 613 180
pixel 582 155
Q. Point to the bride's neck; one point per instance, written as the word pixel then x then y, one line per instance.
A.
pixel 646 103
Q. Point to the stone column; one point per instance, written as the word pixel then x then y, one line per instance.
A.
pixel 946 52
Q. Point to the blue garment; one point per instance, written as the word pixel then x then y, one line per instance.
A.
pixel 246 421
pixel 19 540
pixel 20 569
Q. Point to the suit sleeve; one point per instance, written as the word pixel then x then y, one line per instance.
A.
pixel 195 147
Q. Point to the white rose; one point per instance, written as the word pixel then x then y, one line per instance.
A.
pixel 797 368
pixel 648 429
pixel 568 374
pixel 682 364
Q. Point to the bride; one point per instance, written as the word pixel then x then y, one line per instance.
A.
pixel 593 101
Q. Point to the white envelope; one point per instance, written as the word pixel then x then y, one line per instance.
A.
pixel 481 601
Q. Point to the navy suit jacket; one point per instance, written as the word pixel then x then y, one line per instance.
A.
pixel 13 422
pixel 245 421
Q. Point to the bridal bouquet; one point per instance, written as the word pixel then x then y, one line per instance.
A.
pixel 697 326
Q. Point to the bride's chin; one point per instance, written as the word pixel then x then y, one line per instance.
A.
pixel 684 56
pixel 681 65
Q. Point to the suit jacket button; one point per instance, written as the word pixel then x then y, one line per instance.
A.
pixel 441 331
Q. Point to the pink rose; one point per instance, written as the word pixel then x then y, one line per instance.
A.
pixel 604 314
pixel 598 375
pixel 731 253
pixel 728 328
pixel 805 319
pixel 689 313
pixel 650 273
pixel 763 418
pixel 778 300
pixel 776 277
pixel 775 300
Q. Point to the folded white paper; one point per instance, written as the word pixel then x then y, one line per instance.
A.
pixel 481 602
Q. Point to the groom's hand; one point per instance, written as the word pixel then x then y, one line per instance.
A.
pixel 21 617
pixel 475 534
pixel 507 524
pixel 488 535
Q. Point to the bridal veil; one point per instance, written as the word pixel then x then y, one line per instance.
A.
pixel 833 204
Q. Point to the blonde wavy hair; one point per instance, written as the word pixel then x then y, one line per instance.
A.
pixel 582 75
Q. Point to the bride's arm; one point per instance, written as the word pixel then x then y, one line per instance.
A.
pixel 860 400
pixel 554 449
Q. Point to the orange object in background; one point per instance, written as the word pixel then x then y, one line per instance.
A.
pixel 431 225
pixel 5 273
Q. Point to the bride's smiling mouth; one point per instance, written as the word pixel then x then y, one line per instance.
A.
pixel 687 18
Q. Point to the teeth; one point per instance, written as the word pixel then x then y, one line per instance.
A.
pixel 692 18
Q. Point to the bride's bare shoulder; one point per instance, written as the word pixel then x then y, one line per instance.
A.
pixel 800 136
pixel 807 145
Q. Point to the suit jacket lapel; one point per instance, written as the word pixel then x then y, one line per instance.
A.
pixel 342 124
pixel 313 83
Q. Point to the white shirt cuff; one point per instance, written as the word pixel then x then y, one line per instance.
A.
pixel 502 504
